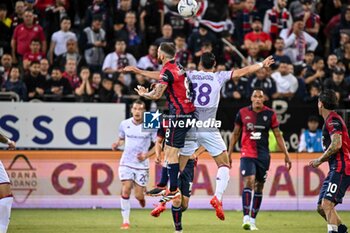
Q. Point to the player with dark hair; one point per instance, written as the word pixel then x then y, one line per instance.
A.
pixel 134 164
pixel 254 122
pixel 6 197
pixel 336 143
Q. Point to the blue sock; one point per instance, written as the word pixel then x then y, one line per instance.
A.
pixel 342 228
pixel 246 200
pixel 256 204
pixel 164 178
pixel 177 216
pixel 173 171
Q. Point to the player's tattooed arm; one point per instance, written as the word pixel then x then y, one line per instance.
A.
pixel 150 74
pixel 253 68
pixel 333 148
pixel 155 94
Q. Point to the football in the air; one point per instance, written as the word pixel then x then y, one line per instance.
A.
pixel 187 8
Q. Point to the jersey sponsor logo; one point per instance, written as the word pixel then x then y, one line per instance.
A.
pixel 250 126
pixel 151 120
pixel 255 135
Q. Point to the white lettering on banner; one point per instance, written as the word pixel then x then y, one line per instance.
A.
pixel 61 125
pixel 281 107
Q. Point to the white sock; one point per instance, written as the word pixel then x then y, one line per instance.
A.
pixel 125 209
pixel 246 218
pixel 252 221
pixel 332 227
pixel 222 178
pixel 5 213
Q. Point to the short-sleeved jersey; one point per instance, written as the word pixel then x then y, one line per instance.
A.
pixel 136 142
pixel 178 92
pixel 255 131
pixel 340 161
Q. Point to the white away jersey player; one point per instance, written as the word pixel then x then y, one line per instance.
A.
pixel 206 88
pixel 4 179
pixel 136 142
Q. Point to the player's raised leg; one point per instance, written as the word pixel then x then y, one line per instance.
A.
pixel 222 179
pixel 125 203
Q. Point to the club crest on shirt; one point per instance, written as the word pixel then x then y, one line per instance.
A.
pixel 265 118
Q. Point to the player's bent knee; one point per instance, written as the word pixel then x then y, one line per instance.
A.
pixel 327 205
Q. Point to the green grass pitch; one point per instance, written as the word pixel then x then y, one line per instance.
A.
pixel 203 221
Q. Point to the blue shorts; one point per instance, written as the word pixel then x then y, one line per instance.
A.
pixel 334 187
pixel 175 136
pixel 251 166
pixel 186 178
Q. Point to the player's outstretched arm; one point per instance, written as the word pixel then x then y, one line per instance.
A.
pixel 155 94
pixel 11 144
pixel 234 139
pixel 253 68
pixel 117 144
pixel 282 145
pixel 333 148
pixel 150 74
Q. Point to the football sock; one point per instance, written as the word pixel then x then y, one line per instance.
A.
pixel 342 228
pixel 332 228
pixel 173 171
pixel 164 179
pixel 125 208
pixel 177 216
pixel 246 200
pixel 222 178
pixel 5 212
pixel 256 204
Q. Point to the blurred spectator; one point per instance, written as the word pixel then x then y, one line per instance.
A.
pixel 130 34
pixel 277 19
pixel 100 8
pixel 343 25
pixel 57 86
pixel 119 93
pixel 313 94
pixel 6 64
pixel 297 41
pixel 262 80
pixel 198 38
pixel 139 80
pixel 117 60
pixel 119 13
pixel 331 65
pixel 346 58
pixel 54 16
pixel 279 52
pixel 235 88
pixel 106 92
pixel 70 73
pixel 5 29
pixel 316 74
pixel 338 84
pixel 286 83
pixel 96 81
pixel 44 68
pixel 258 36
pixel 309 58
pixel 299 73
pixel 253 54
pixel 344 38
pixel 191 66
pixel 167 35
pixel 311 138
pixel 150 61
pixel 35 54
pixel 15 84
pixel 151 19
pixel 183 55
pixel 244 20
pixel 34 81
pixel 311 19
pixel 179 23
pixel 72 53
pixel 24 34
pixel 17 17
pixel 92 44
pixel 29 6
pixel 59 39
pixel 84 91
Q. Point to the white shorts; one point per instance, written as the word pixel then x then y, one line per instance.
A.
pixel 189 148
pixel 212 142
pixel 4 178
pixel 139 176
